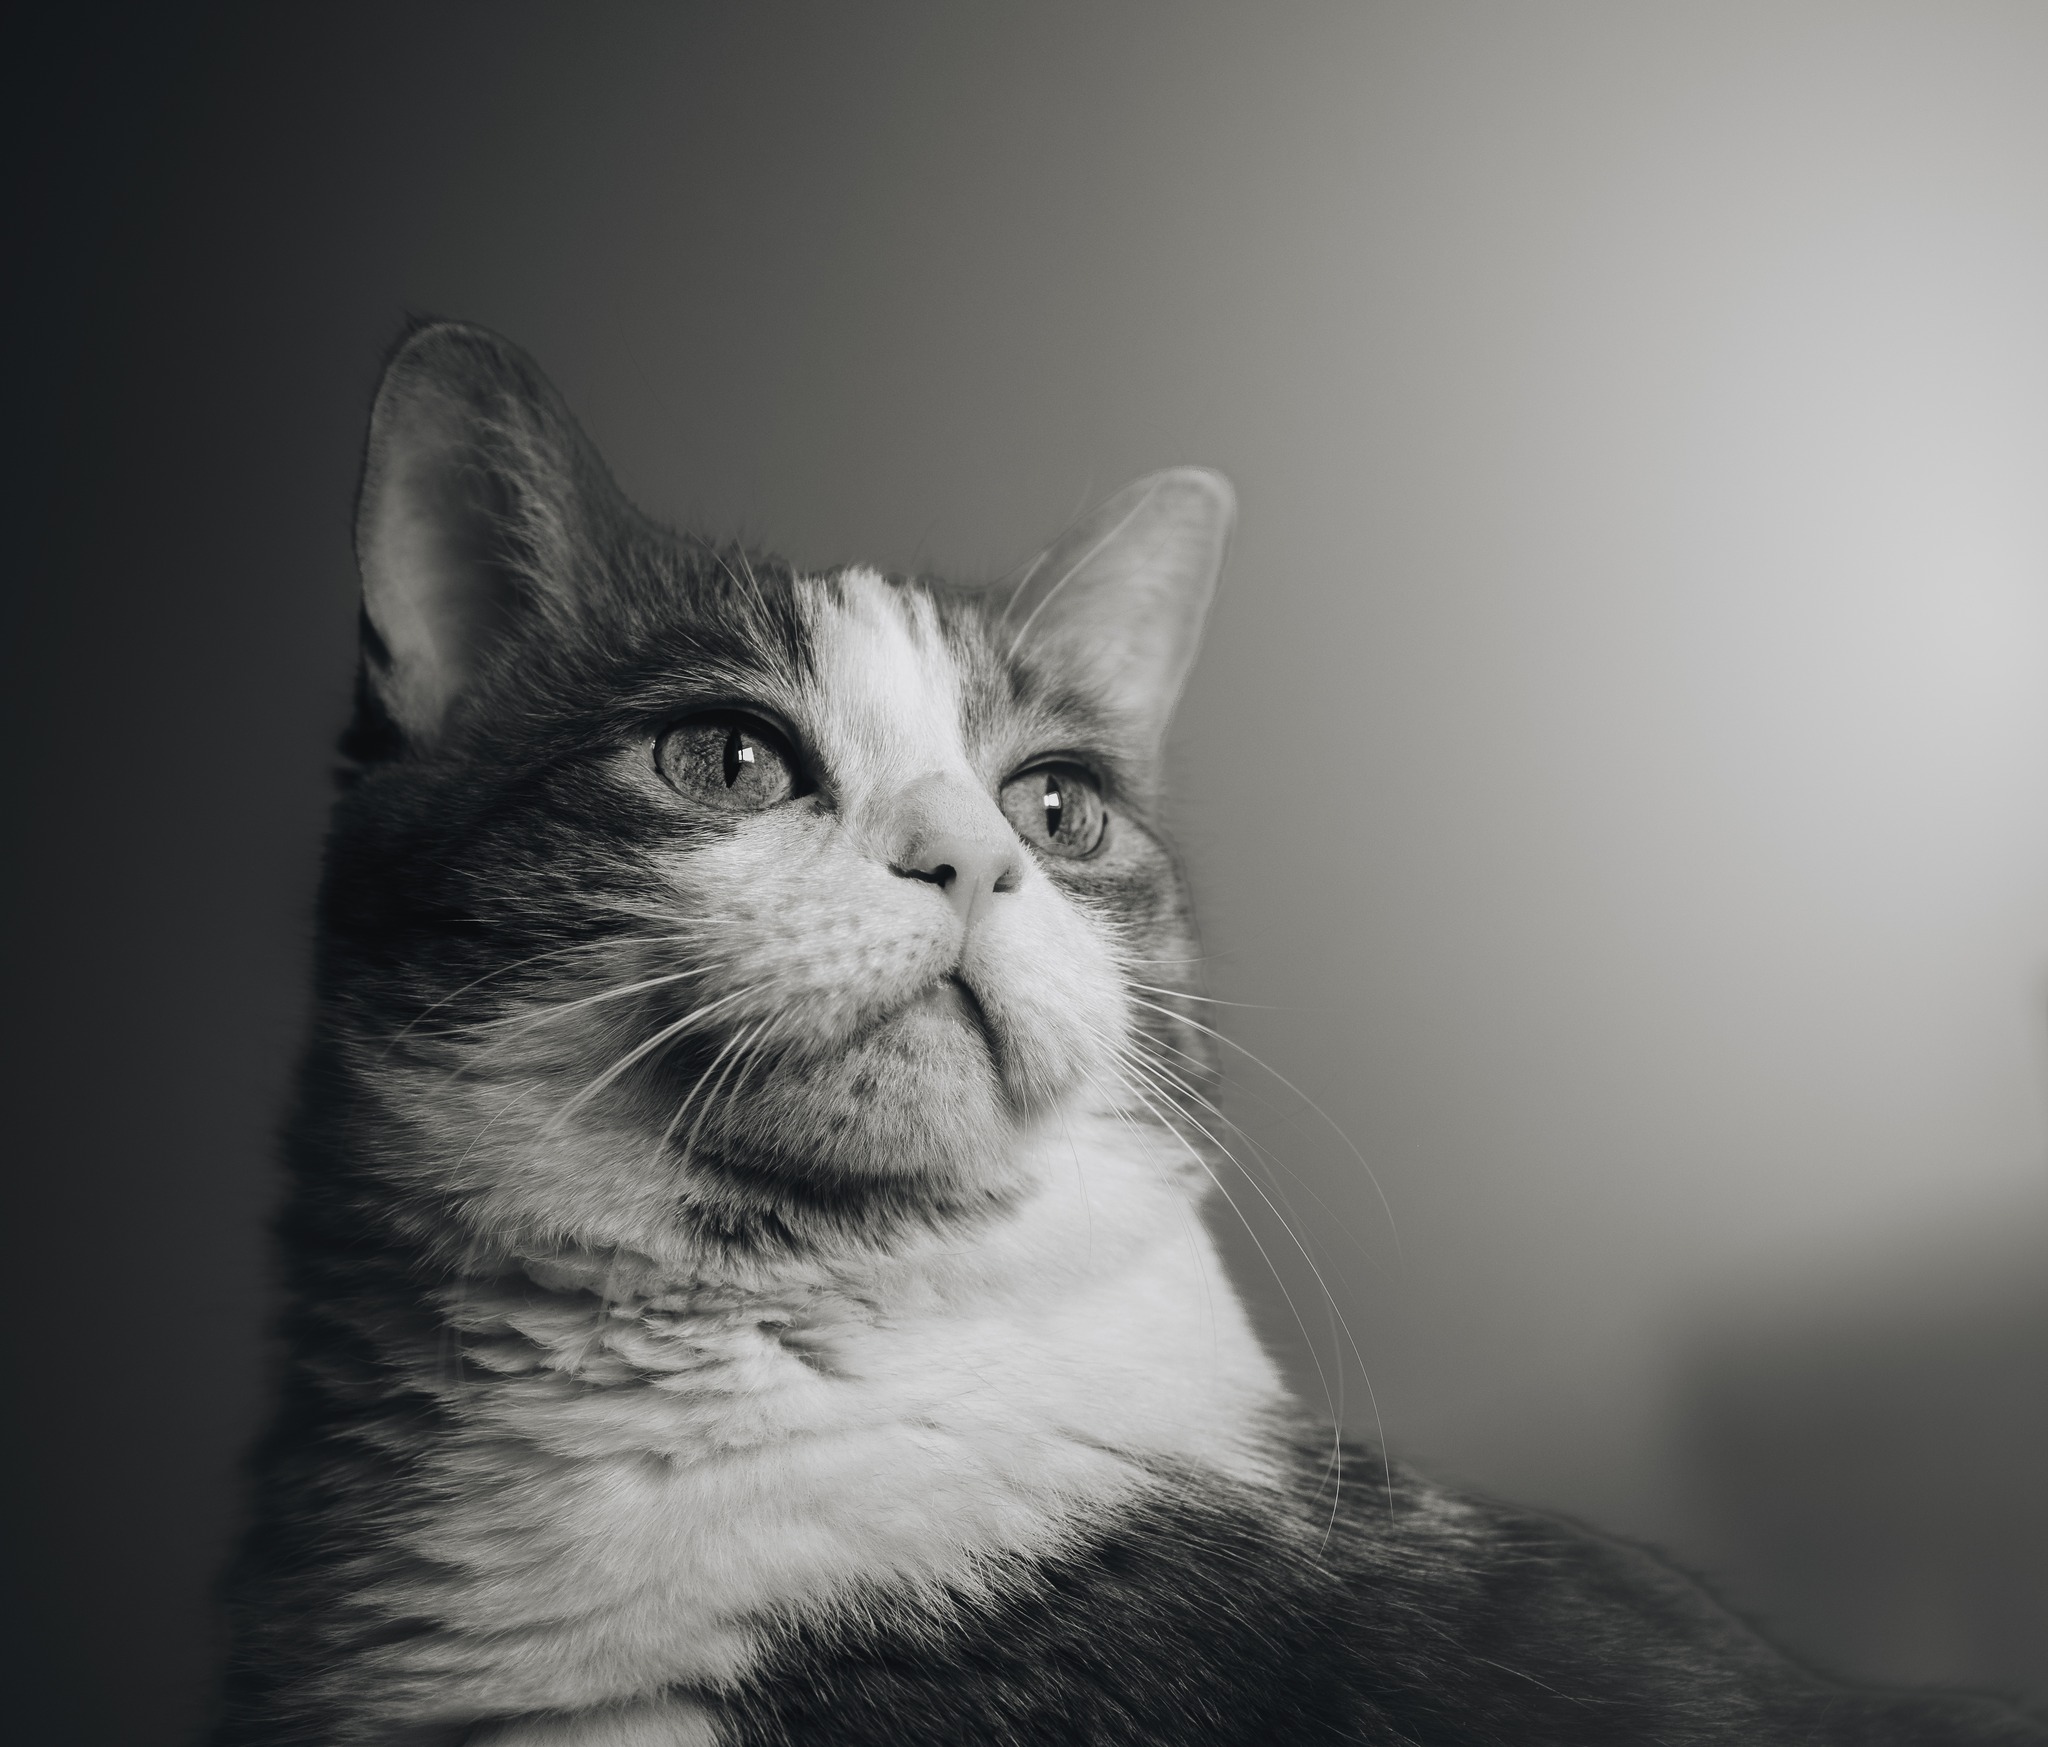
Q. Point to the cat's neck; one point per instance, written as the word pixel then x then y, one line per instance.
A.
pixel 698 1445
pixel 1095 1303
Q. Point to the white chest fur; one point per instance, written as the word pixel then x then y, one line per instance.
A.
pixel 647 1470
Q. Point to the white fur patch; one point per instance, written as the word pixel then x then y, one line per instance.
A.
pixel 889 690
pixel 651 1470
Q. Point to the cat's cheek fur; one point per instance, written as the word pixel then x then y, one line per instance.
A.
pixel 497 1152
pixel 796 927
pixel 1043 968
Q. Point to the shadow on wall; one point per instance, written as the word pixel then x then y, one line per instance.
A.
pixel 1816 1439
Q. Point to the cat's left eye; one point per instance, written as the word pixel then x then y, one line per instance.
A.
pixel 728 759
pixel 1056 808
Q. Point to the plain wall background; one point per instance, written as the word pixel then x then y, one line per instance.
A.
pixel 1617 778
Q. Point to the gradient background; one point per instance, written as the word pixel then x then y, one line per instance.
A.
pixel 1617 777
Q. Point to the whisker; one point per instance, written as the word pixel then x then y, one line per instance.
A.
pixel 524 1090
pixel 1190 1227
pixel 1128 1059
pixel 403 1031
pixel 1272 1161
pixel 1205 1000
pixel 1230 1043
pixel 742 1040
pixel 556 1010
pixel 682 1108
pixel 640 1050
pixel 1279 1279
pixel 1330 1303
pixel 1124 1060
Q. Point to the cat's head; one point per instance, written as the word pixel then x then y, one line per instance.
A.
pixel 676 893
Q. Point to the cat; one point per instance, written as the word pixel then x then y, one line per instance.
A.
pixel 746 1275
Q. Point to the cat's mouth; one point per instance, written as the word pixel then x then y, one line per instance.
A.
pixel 951 996
pixel 944 1010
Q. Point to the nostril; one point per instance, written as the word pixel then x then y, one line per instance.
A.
pixel 1010 878
pixel 943 875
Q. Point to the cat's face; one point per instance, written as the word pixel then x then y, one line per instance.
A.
pixel 683 894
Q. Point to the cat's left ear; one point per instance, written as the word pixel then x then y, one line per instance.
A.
pixel 1116 605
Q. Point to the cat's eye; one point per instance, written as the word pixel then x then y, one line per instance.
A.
pixel 731 760
pixel 1056 808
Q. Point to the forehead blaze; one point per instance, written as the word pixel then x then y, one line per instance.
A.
pixel 886 684
pixel 910 677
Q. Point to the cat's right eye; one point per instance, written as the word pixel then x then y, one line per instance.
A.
pixel 731 760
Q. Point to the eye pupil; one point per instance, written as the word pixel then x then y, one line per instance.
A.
pixel 1057 809
pixel 739 752
pixel 728 759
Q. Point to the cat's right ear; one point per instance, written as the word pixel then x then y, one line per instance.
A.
pixel 477 488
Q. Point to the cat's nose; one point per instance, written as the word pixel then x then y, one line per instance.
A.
pixel 945 831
